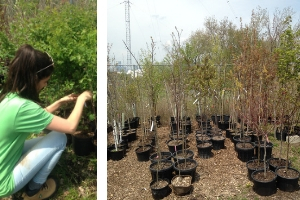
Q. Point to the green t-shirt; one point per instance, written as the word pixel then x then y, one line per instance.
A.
pixel 19 117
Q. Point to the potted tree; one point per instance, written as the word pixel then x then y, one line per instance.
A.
pixel 288 70
pixel 256 73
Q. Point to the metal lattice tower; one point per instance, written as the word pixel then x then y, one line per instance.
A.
pixel 128 37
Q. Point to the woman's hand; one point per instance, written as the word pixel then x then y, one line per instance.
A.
pixel 87 95
pixel 69 98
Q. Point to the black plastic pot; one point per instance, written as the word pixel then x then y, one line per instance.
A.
pixel 202 131
pixel 132 135
pixel 136 121
pixel 237 139
pixel 178 144
pixel 180 136
pixel 215 119
pixel 265 187
pixel 226 118
pixel 152 138
pixel 287 184
pixel 186 167
pixel 275 162
pixel 181 155
pixel 204 124
pixel 163 169
pixel 125 137
pixel 143 153
pixel 218 142
pixel 82 145
pixel 108 152
pixel 166 155
pixel 202 137
pixel 232 135
pixel 223 125
pixel 132 124
pixel 124 145
pixel 252 135
pixel 284 133
pixel 160 192
pixel 69 139
pixel 95 147
pixel 204 149
pixel 245 151
pixel 95 134
pixel 257 166
pixel 228 132
pixel 116 154
pixel 269 147
pixel 173 126
pixel 187 126
pixel 121 145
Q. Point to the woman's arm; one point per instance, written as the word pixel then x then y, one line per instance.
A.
pixel 70 124
pixel 53 107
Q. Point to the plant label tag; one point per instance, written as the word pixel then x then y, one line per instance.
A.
pixel 151 126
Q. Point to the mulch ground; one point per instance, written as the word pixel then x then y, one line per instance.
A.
pixel 222 176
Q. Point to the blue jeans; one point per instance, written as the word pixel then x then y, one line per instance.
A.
pixel 39 157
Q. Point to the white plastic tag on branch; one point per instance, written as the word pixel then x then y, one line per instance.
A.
pixel 151 126
pixel 195 101
pixel 120 131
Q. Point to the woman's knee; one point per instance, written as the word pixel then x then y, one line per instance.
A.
pixel 59 137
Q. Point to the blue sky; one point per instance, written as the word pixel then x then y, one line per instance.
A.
pixel 158 18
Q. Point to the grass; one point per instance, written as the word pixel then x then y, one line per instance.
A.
pixel 76 176
pixel 294 154
pixel 294 151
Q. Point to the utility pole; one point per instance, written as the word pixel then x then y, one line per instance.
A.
pixel 128 36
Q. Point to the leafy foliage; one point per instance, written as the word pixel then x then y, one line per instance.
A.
pixel 67 33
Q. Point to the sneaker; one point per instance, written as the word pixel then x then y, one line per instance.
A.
pixel 46 191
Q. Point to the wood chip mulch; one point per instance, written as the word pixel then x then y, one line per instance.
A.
pixel 222 176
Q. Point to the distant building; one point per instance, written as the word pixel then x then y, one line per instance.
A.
pixel 135 73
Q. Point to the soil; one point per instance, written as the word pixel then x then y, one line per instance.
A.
pixel 262 145
pixel 185 165
pixel 222 176
pixel 183 155
pixel 84 135
pixel 242 139
pixel 175 143
pixel 289 173
pixel 245 145
pixel 276 162
pixel 260 177
pixel 175 137
pixel 203 137
pixel 255 165
pixel 204 145
pixel 142 149
pixel 144 143
pixel 218 138
pixel 160 166
pixel 164 155
pixel 159 184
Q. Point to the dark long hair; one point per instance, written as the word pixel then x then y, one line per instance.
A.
pixel 22 72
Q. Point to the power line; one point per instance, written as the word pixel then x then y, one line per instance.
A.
pixel 204 7
pixel 231 9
